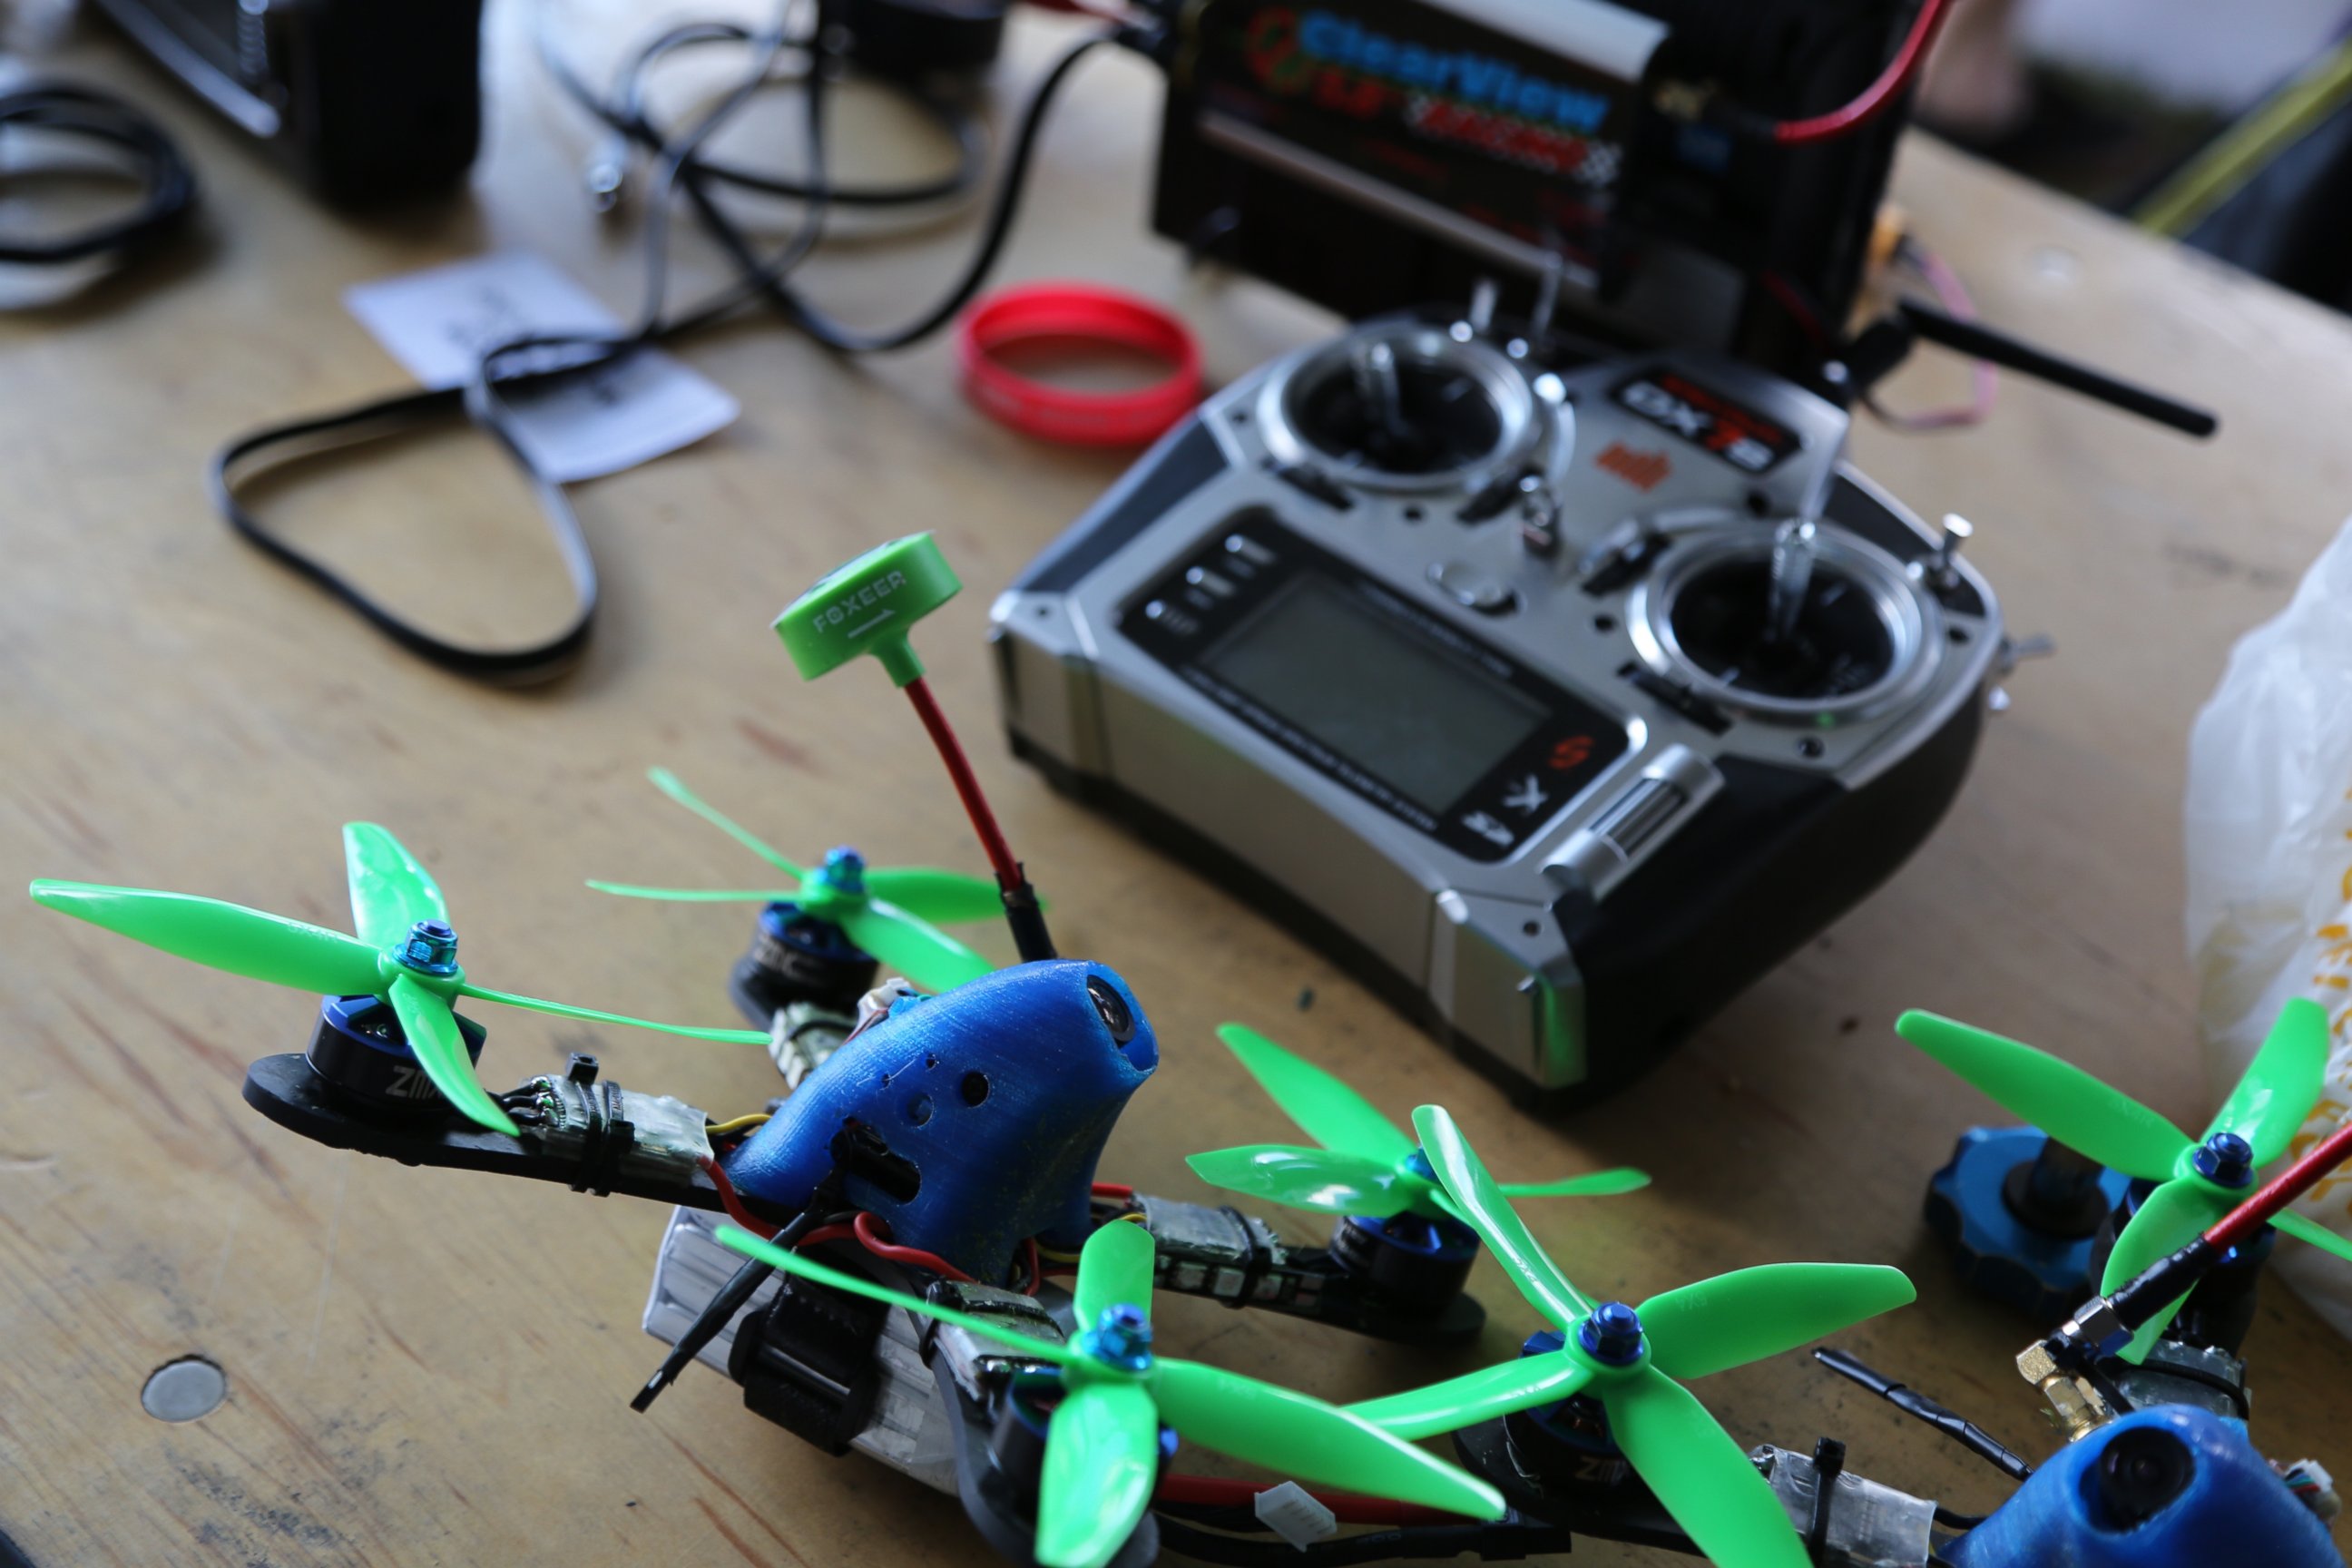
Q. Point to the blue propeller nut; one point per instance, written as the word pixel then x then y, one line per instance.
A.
pixel 1611 1335
pixel 1121 1337
pixel 844 868
pixel 430 948
pixel 2225 1159
pixel 1417 1164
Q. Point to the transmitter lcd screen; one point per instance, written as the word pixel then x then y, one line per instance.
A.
pixel 1415 715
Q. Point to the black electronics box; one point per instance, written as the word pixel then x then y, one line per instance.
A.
pixel 1380 154
pixel 364 101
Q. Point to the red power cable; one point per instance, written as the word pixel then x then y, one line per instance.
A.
pixel 734 1205
pixel 2170 1278
pixel 869 1236
pixel 967 785
pixel 2282 1189
pixel 1880 95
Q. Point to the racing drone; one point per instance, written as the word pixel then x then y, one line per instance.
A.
pixel 910 1253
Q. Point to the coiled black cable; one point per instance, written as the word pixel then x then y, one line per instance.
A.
pixel 168 185
pixel 679 168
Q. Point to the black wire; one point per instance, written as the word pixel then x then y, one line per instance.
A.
pixel 542 360
pixel 720 1310
pixel 624 112
pixel 169 185
pixel 998 228
pixel 1951 1519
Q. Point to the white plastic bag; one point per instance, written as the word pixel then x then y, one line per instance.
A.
pixel 2269 823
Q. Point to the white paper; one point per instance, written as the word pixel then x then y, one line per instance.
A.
pixel 440 322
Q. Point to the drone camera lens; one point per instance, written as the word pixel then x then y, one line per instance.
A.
pixel 2142 1472
pixel 1112 1008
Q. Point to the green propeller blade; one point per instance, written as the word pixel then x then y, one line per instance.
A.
pixel 431 1029
pixel 1700 1476
pixel 2269 1105
pixel 222 936
pixel 776 1256
pixel 2058 1097
pixel 1490 1214
pixel 1102 1460
pixel 1367 1166
pixel 1482 1396
pixel 692 895
pixel 914 948
pixel 2171 1217
pixel 1322 1180
pixel 1114 1270
pixel 391 892
pixel 598 1015
pixel 2311 1231
pixel 1101 1466
pixel 1308 1440
pixel 2280 1085
pixel 1598 1184
pixel 1324 1108
pixel 887 911
pixel 949 896
pixel 1753 1313
pixel 669 784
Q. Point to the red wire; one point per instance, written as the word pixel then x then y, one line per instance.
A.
pixel 1880 95
pixel 2282 1189
pixel 1217 1491
pixel 734 1205
pixel 975 804
pixel 865 1226
pixel 1113 1190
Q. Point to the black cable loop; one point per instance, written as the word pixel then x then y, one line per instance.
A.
pixel 680 166
pixel 526 665
pixel 169 185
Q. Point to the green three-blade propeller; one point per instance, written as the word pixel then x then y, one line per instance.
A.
pixel 2197 1180
pixel 1102 1441
pixel 888 912
pixel 1628 1358
pixel 404 955
pixel 1368 1165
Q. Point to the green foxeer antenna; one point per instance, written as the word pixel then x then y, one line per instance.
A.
pixel 870 607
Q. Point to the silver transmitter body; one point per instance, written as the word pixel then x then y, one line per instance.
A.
pixel 1561 699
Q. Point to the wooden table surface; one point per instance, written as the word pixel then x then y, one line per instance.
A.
pixel 431 1367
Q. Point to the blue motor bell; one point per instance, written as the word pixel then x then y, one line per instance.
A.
pixel 795 957
pixel 359 1049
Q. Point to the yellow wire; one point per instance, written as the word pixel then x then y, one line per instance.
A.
pixel 740 1125
pixel 1051 1256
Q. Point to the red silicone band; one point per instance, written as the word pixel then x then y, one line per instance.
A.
pixel 1088 314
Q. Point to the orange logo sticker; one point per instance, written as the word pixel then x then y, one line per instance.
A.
pixel 1642 470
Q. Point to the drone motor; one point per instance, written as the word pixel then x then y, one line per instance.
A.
pixel 798 957
pixel 359 1051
